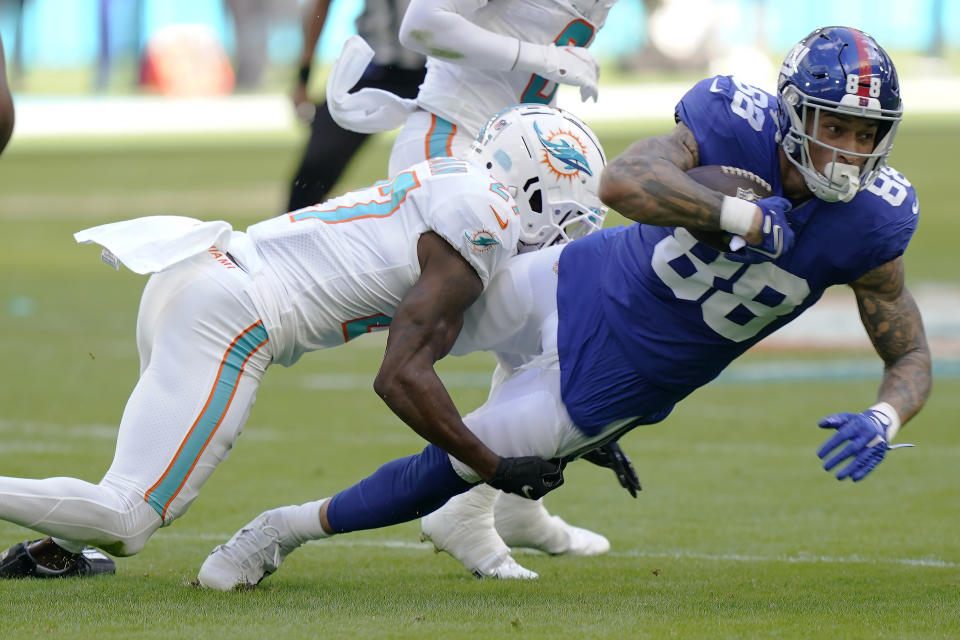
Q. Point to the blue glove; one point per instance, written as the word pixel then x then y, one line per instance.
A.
pixel 778 237
pixel 866 437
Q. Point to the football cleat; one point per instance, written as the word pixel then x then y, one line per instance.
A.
pixel 463 527
pixel 503 567
pixel 17 562
pixel 253 553
pixel 525 523
pixel 508 569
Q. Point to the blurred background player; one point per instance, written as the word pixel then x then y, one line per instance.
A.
pixel 251 19
pixel 6 103
pixel 630 320
pixel 483 57
pixel 394 69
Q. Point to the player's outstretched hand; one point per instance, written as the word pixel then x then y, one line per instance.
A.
pixel 527 476
pixel 866 438
pixel 612 456
pixel 567 65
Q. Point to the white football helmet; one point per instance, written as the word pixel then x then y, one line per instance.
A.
pixel 550 162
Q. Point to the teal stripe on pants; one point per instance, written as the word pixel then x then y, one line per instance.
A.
pixel 442 132
pixel 206 424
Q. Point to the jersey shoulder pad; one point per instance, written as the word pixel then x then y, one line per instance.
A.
pixel 734 123
pixel 477 217
pixel 706 102
pixel 889 209
pixel 891 198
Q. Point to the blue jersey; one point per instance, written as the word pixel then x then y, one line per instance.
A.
pixel 648 314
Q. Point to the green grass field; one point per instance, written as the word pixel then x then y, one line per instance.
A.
pixel 738 533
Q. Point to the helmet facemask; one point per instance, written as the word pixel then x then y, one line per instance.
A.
pixel 838 181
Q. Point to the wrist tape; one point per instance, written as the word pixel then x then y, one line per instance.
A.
pixel 890 418
pixel 736 215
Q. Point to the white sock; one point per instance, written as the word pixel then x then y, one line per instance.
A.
pixel 304 521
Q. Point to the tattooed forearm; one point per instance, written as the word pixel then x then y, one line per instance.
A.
pixel 647 184
pixel 894 325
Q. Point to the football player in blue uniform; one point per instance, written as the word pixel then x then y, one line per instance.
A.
pixel 645 314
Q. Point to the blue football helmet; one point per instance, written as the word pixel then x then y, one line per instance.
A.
pixel 550 162
pixel 837 70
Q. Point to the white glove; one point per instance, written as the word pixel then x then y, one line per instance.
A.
pixel 567 65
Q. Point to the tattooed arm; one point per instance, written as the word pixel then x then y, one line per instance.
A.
pixel 892 320
pixel 647 183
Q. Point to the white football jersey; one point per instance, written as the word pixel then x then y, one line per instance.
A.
pixel 338 269
pixel 469 97
pixel 516 315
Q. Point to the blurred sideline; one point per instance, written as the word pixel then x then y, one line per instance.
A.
pixel 47 116
pixel 833 323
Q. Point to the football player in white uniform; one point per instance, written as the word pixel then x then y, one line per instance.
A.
pixel 482 57
pixel 412 254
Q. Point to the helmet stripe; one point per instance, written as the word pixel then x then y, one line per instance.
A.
pixel 866 69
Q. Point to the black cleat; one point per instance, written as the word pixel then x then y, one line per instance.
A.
pixel 16 562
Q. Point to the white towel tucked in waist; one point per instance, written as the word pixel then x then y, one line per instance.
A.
pixel 151 244
pixel 367 110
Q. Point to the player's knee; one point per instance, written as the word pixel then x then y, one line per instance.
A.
pixel 128 522
pixel 131 532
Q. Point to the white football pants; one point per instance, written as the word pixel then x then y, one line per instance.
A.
pixel 524 414
pixel 425 136
pixel 203 351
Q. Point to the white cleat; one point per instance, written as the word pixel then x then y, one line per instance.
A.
pixel 527 523
pixel 463 527
pixel 508 569
pixel 582 542
pixel 253 553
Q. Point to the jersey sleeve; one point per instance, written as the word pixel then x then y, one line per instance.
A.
pixel 733 123
pixel 892 208
pixel 442 29
pixel 869 231
pixel 480 224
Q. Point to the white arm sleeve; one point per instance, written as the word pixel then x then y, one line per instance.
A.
pixel 441 29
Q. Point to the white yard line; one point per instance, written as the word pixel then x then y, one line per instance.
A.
pixel 677 554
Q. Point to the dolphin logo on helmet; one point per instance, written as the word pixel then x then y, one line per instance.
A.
pixel 563 151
